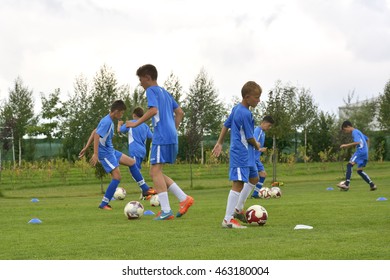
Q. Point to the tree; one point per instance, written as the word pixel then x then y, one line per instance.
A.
pixel 173 86
pixel 384 108
pixel 19 112
pixel 203 112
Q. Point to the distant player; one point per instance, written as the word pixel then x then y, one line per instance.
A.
pixel 360 157
pixel 259 135
pixel 242 168
pixel 166 117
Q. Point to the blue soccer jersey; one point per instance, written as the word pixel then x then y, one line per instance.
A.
pixel 164 131
pixel 361 148
pixel 259 135
pixel 137 139
pixel 241 124
pixel 105 129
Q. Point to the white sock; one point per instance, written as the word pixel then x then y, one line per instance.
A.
pixel 164 201
pixel 177 191
pixel 231 204
pixel 246 191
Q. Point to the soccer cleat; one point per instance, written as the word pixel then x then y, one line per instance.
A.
pixel 184 205
pixel 148 194
pixel 240 215
pixel 373 188
pixel 343 186
pixel 106 207
pixel 164 216
pixel 232 224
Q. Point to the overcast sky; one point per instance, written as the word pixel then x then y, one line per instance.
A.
pixel 331 47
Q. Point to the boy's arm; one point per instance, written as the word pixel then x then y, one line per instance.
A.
pixel 254 143
pixel 90 139
pixel 149 113
pixel 218 146
pixel 94 158
pixel 118 128
pixel 179 115
pixel 349 145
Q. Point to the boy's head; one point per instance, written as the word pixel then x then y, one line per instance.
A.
pixel 251 93
pixel 147 75
pixel 267 123
pixel 138 112
pixel 117 109
pixel 346 126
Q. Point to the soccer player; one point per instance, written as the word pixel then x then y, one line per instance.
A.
pixel 109 157
pixel 243 171
pixel 259 135
pixel 360 157
pixel 166 117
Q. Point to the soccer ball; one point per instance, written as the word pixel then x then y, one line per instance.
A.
pixel 265 193
pixel 134 210
pixel 256 215
pixel 120 193
pixel 276 192
pixel 154 201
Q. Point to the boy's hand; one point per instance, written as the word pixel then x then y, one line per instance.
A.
pixel 93 160
pixel 217 150
pixel 343 146
pixel 263 149
pixel 118 129
pixel 82 152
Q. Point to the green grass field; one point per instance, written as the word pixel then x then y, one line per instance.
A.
pixel 347 225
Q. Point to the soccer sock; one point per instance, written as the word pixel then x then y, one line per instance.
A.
pixel 365 177
pixel 246 190
pixel 258 186
pixel 348 174
pixel 109 192
pixel 231 204
pixel 137 176
pixel 177 191
pixel 164 201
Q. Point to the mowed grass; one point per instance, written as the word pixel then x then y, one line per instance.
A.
pixel 347 225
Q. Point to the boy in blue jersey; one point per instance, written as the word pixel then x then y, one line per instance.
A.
pixel 259 135
pixel 243 172
pixel 166 117
pixel 110 158
pixel 137 137
pixel 360 157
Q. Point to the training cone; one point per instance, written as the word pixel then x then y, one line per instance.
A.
pixel 35 221
pixel 329 189
pixel 303 227
pixel 381 199
pixel 148 213
pixel 35 200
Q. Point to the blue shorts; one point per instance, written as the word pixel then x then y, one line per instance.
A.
pixel 260 166
pixel 110 161
pixel 361 161
pixel 163 153
pixel 242 173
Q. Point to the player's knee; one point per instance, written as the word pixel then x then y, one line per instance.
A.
pixel 349 165
pixel 360 172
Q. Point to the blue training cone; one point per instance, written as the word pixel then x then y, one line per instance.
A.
pixel 329 188
pixel 35 200
pixel 381 198
pixel 35 221
pixel 149 213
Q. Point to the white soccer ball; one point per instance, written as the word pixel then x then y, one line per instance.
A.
pixel 256 215
pixel 134 210
pixel 276 192
pixel 120 193
pixel 265 193
pixel 154 201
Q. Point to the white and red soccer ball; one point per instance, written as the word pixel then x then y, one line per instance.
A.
pixel 133 210
pixel 265 193
pixel 154 201
pixel 120 193
pixel 256 215
pixel 276 192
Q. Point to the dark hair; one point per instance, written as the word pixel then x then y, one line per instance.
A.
pixel 346 124
pixel 118 105
pixel 139 112
pixel 268 119
pixel 148 70
pixel 249 88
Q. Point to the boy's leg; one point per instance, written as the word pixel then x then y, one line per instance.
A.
pixel 161 188
pixel 115 174
pixel 228 221
pixel 367 179
pixel 262 175
pixel 185 200
pixel 344 186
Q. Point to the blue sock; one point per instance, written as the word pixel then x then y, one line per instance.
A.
pixel 259 185
pixel 348 174
pixel 365 177
pixel 137 176
pixel 109 192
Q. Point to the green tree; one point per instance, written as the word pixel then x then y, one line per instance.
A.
pixel 173 86
pixel 203 113
pixel 384 108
